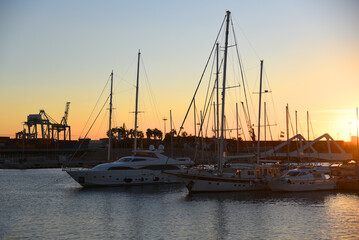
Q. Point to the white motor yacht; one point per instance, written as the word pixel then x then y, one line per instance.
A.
pixel 143 167
pixel 303 179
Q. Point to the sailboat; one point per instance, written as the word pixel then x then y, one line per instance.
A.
pixel 143 167
pixel 232 178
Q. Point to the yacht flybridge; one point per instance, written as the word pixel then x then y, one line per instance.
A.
pixel 143 167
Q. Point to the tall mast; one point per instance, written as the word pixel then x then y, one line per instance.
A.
pixel 171 133
pixel 259 113
pixel 224 93
pixel 237 118
pixel 296 122
pixel 265 129
pixel 195 122
pixel 357 137
pixel 287 123
pixel 217 79
pixel 109 124
pixel 136 110
pixel 308 124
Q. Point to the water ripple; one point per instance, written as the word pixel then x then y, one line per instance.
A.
pixel 32 208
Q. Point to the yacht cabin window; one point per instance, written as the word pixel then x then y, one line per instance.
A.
pixel 145 154
pixel 317 175
pixel 139 160
pixel 125 159
pixel 302 174
pixel 292 173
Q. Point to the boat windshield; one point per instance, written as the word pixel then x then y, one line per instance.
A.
pixel 139 160
pixel 125 159
pixel 145 154
pixel 302 174
pixel 292 173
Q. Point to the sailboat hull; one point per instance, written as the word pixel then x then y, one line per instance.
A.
pixel 196 183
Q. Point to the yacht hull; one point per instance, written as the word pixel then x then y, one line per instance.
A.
pixel 89 178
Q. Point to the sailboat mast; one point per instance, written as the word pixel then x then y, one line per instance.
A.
pixel 237 118
pixel 259 113
pixel 224 94
pixel 136 109
pixel 171 132
pixel 357 137
pixel 296 122
pixel 217 82
pixel 265 129
pixel 109 124
pixel 308 124
pixel 287 126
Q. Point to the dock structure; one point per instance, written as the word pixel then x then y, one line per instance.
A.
pixel 310 150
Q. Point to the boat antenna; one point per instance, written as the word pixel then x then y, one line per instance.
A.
pixel 136 109
pixel 109 125
pixel 223 94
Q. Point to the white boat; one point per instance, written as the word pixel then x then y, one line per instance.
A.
pixel 143 167
pixel 303 179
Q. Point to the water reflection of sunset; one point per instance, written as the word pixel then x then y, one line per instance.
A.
pixel 342 211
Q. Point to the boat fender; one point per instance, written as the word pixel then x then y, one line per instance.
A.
pixel 289 181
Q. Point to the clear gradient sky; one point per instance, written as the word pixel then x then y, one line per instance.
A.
pixel 52 52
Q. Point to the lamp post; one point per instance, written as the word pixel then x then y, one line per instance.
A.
pixel 164 123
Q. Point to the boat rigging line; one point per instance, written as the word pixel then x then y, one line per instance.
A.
pixel 93 110
pixel 201 78
pixel 249 123
pixel 98 114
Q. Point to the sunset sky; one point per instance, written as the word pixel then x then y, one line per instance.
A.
pixel 52 52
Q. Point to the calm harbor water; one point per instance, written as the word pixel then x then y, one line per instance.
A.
pixel 47 204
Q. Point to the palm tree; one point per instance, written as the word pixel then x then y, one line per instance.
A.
pixel 149 134
pixel 113 133
pixel 173 132
pixel 157 133
pixel 140 134
pixel 131 133
pixel 123 132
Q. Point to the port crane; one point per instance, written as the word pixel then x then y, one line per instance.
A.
pixel 50 128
